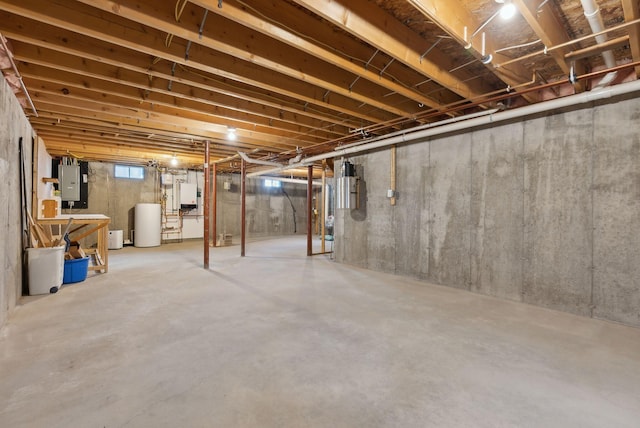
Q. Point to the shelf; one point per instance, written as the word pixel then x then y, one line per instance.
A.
pixel 49 180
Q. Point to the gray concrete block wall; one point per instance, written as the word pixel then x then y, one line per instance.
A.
pixel 616 206
pixel 558 215
pixel 117 197
pixel 381 249
pixel 545 211
pixel 411 230
pixel 497 212
pixel 450 183
pixel 14 126
pixel 269 212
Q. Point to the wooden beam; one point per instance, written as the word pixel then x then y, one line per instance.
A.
pixel 382 31
pixel 549 28
pixel 207 196
pixel 282 34
pixel 271 57
pixel 155 118
pixel 138 86
pixel 632 12
pixel 75 28
pixel 453 17
pixel 124 96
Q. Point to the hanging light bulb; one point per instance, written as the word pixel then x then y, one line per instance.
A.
pixel 508 10
pixel 174 160
pixel 231 133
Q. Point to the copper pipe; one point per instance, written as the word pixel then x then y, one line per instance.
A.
pixel 569 43
pixel 18 76
pixel 596 49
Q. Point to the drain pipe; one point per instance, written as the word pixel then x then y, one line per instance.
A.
pixel 412 136
pixel 247 159
pixel 592 13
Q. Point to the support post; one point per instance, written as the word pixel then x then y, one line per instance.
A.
pixel 206 204
pixel 243 200
pixel 309 209
pixel 323 218
pixel 214 203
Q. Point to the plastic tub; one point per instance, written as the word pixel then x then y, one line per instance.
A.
pixel 75 270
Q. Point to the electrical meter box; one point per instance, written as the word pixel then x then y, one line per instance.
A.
pixel 69 179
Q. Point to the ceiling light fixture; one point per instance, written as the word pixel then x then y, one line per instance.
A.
pixel 174 160
pixel 231 133
pixel 508 9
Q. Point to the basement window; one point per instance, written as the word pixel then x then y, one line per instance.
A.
pixel 126 171
pixel 272 183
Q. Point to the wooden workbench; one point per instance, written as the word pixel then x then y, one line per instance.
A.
pixel 83 225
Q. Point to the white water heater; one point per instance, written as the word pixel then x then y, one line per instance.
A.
pixel 148 225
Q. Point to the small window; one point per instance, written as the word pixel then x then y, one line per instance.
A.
pixel 271 183
pixel 125 171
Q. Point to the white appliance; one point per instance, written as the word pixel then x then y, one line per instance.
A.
pixel 115 239
pixel 188 195
pixel 148 225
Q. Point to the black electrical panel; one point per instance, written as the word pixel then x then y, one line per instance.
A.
pixel 84 184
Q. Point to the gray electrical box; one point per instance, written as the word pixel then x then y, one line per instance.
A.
pixel 69 182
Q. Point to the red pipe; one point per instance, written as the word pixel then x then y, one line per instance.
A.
pixel 309 209
pixel 243 198
pixel 214 203
pixel 206 203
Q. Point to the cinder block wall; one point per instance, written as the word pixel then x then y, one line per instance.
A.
pixel 14 126
pixel 545 211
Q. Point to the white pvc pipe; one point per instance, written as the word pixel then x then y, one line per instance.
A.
pixel 592 13
pixel 409 136
pixel 257 161
pixel 425 126
pixel 291 180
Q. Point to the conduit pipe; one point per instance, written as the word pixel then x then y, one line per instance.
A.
pixel 411 136
pixel 592 13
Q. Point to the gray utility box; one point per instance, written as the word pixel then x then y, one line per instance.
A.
pixel 69 179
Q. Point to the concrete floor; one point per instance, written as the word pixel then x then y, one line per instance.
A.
pixel 277 339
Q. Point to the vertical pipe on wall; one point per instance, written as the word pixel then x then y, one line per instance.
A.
pixel 214 203
pixel 309 208
pixel 243 200
pixel 206 204
pixel 393 175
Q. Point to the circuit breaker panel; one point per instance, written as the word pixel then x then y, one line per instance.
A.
pixel 74 189
pixel 69 182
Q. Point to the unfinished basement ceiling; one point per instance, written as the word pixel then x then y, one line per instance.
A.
pixel 139 81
